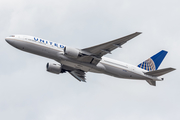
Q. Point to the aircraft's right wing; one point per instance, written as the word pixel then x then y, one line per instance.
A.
pixel 96 52
pixel 103 49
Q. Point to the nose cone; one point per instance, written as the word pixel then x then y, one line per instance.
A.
pixel 9 40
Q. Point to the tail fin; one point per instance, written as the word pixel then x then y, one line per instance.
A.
pixel 153 62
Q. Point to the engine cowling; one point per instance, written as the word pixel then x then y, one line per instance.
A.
pixel 71 52
pixel 54 68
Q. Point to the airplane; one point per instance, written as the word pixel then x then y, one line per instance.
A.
pixel 78 62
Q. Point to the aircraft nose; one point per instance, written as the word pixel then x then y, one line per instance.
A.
pixel 9 40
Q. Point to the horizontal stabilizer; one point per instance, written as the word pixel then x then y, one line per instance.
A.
pixel 151 82
pixel 160 72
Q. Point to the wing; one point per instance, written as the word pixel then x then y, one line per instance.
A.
pixel 79 75
pixel 103 49
pixel 96 52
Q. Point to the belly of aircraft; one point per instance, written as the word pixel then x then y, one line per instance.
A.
pixel 122 72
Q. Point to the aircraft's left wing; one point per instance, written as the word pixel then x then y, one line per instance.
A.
pixel 79 75
pixel 96 52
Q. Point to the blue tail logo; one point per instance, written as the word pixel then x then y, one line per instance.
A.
pixel 154 62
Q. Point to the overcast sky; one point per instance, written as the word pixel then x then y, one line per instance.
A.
pixel 28 92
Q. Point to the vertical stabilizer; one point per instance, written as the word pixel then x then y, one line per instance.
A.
pixel 153 62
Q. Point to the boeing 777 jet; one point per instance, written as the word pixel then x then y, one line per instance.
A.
pixel 78 62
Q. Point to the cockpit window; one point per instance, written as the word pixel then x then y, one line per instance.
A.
pixel 12 36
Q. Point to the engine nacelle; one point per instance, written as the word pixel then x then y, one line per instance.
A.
pixel 54 68
pixel 71 52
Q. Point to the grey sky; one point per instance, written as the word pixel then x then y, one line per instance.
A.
pixel 28 92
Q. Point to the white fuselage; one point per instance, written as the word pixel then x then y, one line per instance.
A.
pixel 55 51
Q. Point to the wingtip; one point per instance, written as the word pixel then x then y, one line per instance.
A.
pixel 173 68
pixel 139 32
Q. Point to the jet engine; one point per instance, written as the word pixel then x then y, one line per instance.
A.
pixel 54 68
pixel 71 52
